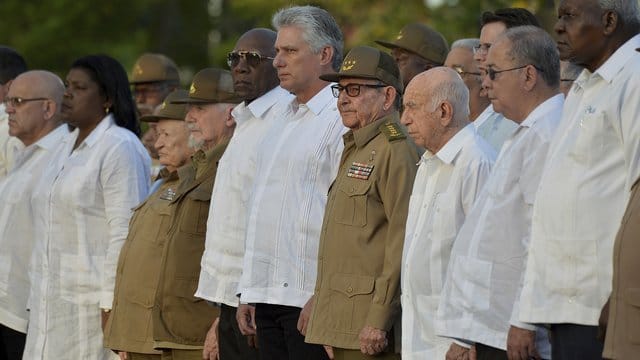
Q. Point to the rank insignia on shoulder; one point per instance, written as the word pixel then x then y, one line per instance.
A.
pixel 392 131
pixel 168 194
pixel 360 171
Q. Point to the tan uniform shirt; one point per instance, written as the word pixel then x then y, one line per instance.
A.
pixel 362 236
pixel 129 326
pixel 180 320
pixel 623 331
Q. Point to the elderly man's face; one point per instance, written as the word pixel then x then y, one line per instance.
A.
pixel 207 122
pixel 418 116
pixel 409 64
pixel 579 32
pixel 26 119
pixel 364 108
pixel 461 60
pixel 172 143
pixel 505 89
pixel 150 95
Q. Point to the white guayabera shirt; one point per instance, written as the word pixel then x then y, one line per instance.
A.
pixel 221 265
pixel 81 208
pixel 480 298
pixel 297 162
pixel 16 227
pixel 494 128
pixel 445 188
pixel 592 164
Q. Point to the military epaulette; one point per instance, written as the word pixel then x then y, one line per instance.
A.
pixel 392 131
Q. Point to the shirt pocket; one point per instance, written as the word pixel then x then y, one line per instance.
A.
pixel 196 211
pixel 351 203
pixel 632 314
pixel 350 299
pixel 80 278
pixel 444 218
pixel 590 136
pixel 18 187
pixel 579 271
pixel 472 278
pixel 136 312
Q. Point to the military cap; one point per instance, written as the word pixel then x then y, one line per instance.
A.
pixel 210 86
pixel 153 68
pixel 168 110
pixel 368 63
pixel 421 40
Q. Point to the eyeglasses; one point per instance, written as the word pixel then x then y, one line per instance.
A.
pixel 18 101
pixel 461 71
pixel 252 58
pixel 353 90
pixel 568 80
pixel 481 48
pixel 492 73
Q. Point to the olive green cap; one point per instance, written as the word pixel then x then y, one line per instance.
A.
pixel 421 40
pixel 168 110
pixel 210 86
pixel 154 68
pixel 368 63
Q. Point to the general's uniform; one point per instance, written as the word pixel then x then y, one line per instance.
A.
pixel 180 321
pixel 129 326
pixel 360 252
pixel 623 331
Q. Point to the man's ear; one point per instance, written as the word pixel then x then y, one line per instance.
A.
pixel 230 121
pixel 446 113
pixel 326 55
pixel 610 21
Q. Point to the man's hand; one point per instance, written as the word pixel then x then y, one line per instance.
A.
pixel 104 318
pixel 246 317
pixel 329 350
pixel 211 350
pixel 457 352
pixel 521 344
pixel 305 314
pixel 123 355
pixel 372 341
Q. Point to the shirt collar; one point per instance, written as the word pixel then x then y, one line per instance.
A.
pixel 484 116
pixel 365 134
pixel 551 103
pixel 102 127
pixel 618 59
pixel 52 139
pixel 258 107
pixel 318 102
pixel 451 149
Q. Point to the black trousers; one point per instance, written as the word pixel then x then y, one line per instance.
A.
pixel 11 343
pixel 279 338
pixel 485 352
pixel 232 344
pixel 571 341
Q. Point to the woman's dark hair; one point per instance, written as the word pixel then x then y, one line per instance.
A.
pixel 112 79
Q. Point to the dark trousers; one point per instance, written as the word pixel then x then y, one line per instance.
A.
pixel 232 344
pixel 571 341
pixel 348 354
pixel 11 343
pixel 485 352
pixel 279 338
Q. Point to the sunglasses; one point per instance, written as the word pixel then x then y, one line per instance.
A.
pixel 18 101
pixel 352 90
pixel 252 58
pixel 492 73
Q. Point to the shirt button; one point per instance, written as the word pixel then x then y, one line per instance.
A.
pixel 349 289
pixel 285 284
pixel 572 299
pixel 352 190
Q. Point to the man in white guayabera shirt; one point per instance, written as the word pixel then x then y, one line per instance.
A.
pixel 592 164
pixel 296 163
pixel 33 107
pixel 12 64
pixel 256 82
pixel 479 303
pixel 452 172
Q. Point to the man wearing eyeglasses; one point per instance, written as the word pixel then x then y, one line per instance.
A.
pixel 492 125
pixel 460 59
pixel 256 82
pixel 355 307
pixel 480 299
pixel 33 107
pixel 12 64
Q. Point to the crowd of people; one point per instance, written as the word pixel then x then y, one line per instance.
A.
pixel 472 201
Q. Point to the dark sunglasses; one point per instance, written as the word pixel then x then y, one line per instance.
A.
pixel 252 58
pixel 492 73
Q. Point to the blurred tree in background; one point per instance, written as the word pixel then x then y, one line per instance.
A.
pixel 199 33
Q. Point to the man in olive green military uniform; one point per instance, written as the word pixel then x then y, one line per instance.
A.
pixel 180 321
pixel 417 48
pixel 356 303
pixel 129 327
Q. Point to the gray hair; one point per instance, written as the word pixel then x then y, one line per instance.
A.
pixel 468 44
pixel 319 28
pixel 454 91
pixel 627 10
pixel 532 45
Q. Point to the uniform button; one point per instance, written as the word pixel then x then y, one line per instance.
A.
pixel 349 289
pixel 285 284
pixel 352 190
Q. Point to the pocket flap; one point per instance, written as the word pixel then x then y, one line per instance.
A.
pixel 352 285
pixel 200 194
pixel 355 188
pixel 632 296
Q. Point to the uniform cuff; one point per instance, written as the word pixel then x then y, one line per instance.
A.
pixel 381 316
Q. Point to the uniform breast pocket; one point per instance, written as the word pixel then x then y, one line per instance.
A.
pixel 351 203
pixel 589 139
pixel 196 211
pixel 141 223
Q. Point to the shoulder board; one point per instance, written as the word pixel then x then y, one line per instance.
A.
pixel 392 131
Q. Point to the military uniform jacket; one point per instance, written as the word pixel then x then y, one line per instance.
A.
pixel 129 326
pixel 180 320
pixel 362 235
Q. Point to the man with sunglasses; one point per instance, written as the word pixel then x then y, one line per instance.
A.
pixel 355 308
pixel 492 125
pixel 480 298
pixel 460 59
pixel 256 83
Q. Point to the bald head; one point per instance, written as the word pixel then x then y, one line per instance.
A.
pixel 253 78
pixel 38 111
pixel 436 107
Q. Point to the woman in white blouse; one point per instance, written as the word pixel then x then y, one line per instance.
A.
pixel 82 207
